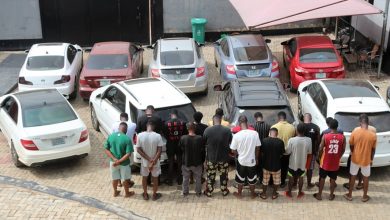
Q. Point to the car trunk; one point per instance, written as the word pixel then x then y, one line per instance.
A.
pixel 99 78
pixel 180 77
pixel 253 70
pixel 44 78
pixel 321 70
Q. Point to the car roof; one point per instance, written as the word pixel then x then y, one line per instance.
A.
pixel 243 40
pixel 47 49
pixel 39 97
pixel 314 41
pixel 173 44
pixel 350 88
pixel 112 47
pixel 259 92
pixel 154 91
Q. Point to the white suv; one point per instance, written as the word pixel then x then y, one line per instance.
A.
pixel 132 97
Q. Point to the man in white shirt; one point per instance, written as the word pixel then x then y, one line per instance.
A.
pixel 246 144
pixel 124 117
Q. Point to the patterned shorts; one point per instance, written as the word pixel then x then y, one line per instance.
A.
pixel 276 177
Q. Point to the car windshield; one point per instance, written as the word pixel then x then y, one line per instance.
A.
pixel 177 58
pixel 270 114
pixel 347 89
pixel 108 62
pixel 317 55
pixel 349 121
pixel 250 53
pixel 45 63
pixel 47 114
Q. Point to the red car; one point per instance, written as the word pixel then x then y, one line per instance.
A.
pixel 311 57
pixel 110 62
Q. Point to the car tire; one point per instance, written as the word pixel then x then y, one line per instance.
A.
pixel 15 157
pixel 95 121
pixel 292 89
pixel 73 95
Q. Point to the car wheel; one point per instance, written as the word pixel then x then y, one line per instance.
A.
pixel 73 95
pixel 15 157
pixel 300 115
pixel 95 122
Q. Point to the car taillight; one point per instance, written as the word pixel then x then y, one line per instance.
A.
pixel 300 71
pixel 83 136
pixel 23 81
pixel 341 69
pixel 155 73
pixel 200 71
pixel 83 82
pixel 135 139
pixel 64 79
pixel 230 69
pixel 28 144
pixel 275 65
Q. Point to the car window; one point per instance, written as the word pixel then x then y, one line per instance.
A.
pixel 225 47
pixel 319 97
pixel 177 57
pixel 107 61
pixel 45 62
pixel 12 108
pixel 71 53
pixel 293 46
pixel 250 53
pixel 133 113
pixel 116 98
pixel 348 89
pixel 317 55
pixel 349 121
pixel 155 49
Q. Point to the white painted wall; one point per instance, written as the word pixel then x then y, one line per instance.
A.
pixel 20 19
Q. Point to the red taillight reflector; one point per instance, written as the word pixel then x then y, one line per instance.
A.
pixel 200 71
pixel 83 136
pixel 135 139
pixel 23 81
pixel 230 69
pixel 155 73
pixel 275 65
pixel 64 79
pixel 28 144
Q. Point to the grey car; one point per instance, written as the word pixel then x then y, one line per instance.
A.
pixel 244 56
pixel 180 61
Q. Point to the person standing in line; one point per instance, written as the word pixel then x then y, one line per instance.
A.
pixel 200 127
pixel 174 129
pixel 262 129
pixel 362 144
pixel 246 145
pixel 149 115
pixel 118 148
pixel 219 111
pixel 272 149
pixel 193 149
pixel 149 146
pixel 217 139
pixel 312 131
pixel 285 132
pixel 298 148
pixel 332 148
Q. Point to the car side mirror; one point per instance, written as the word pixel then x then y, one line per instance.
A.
pixel 376 87
pixel 79 50
pixel 304 89
pixel 216 43
pixel 150 46
pixel 286 86
pixel 218 88
pixel 99 96
pixel 26 51
pixel 284 43
pixel 268 41
pixel 199 45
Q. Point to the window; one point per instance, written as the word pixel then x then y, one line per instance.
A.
pixel 177 57
pixel 71 53
pixel 319 97
pixel 108 61
pixel 116 98
pixel 349 121
pixel 45 63
pixel 293 46
pixel 11 107
pixel 225 47
pixel 317 55
pixel 250 53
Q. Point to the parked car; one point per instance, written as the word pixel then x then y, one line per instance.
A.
pixel 311 57
pixel 110 62
pixel 181 61
pixel 41 126
pixel 345 100
pixel 52 65
pixel 242 56
pixel 248 96
pixel 132 97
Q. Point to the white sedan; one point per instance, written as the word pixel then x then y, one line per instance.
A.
pixel 52 65
pixel 345 100
pixel 41 126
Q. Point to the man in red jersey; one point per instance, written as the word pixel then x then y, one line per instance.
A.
pixel 332 147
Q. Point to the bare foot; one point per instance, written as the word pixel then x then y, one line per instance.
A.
pixel 288 194
pixel 237 195
pixel 129 194
pixel 116 193
pixel 254 196
pixel 317 196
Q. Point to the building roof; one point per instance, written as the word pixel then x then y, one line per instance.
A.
pixel 113 47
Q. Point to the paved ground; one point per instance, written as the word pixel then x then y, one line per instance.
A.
pixel 90 177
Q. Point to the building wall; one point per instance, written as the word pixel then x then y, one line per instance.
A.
pixel 220 14
pixel 20 19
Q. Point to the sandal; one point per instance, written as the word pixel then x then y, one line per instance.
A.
pixel 130 194
pixel 146 196
pixel 156 196
pixel 263 196
pixel 288 195
pixel 315 196
pixel 275 196
pixel 366 199
pixel 331 197
pixel 300 195
pixel 131 184
pixel 347 197
pixel 116 193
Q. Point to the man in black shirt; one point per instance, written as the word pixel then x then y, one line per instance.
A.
pixel 262 129
pixel 272 149
pixel 217 138
pixel 149 115
pixel 200 127
pixel 313 132
pixel 193 149
pixel 174 128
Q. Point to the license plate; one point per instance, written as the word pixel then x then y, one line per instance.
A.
pixel 179 76
pixel 320 75
pixel 57 141
pixel 104 82
pixel 253 72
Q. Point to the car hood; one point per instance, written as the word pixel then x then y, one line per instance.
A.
pixel 360 104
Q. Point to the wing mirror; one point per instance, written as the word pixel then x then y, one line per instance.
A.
pixel 376 87
pixel 26 51
pixel 304 89
pixel 217 43
pixel 268 41
pixel 99 96
pixel 218 88
pixel 284 43
pixel 79 50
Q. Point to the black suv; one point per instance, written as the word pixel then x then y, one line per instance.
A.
pixel 247 96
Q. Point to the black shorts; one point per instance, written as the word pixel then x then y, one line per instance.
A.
pixel 244 173
pixel 332 174
pixel 296 173
pixel 173 149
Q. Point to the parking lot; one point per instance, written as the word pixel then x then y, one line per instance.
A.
pixel 90 176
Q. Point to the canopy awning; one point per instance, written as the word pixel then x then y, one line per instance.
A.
pixel 265 13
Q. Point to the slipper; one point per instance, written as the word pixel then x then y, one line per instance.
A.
pixel 146 196
pixel 131 184
pixel 131 193
pixel 238 196
pixel 156 196
pixel 346 196
pixel 116 193
pixel 331 197
pixel 275 196
pixel 366 199
pixel 359 187
pixel 300 195
pixel 346 185
pixel 288 195
pixel 263 196
pixel 315 196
